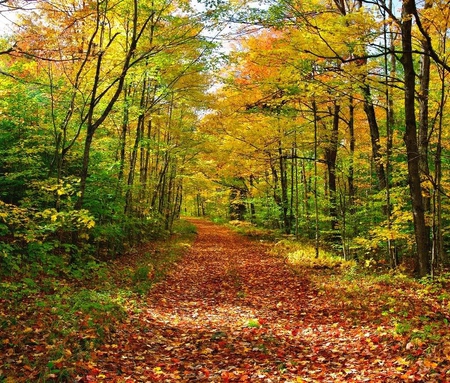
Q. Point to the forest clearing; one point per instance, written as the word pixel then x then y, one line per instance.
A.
pixel 227 311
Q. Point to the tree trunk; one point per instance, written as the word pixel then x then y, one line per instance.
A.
pixel 438 242
pixel 123 135
pixel 390 122
pixel 85 167
pixel 410 139
pixel 316 202
pixel 131 173
pixel 330 158
pixel 134 154
pixel 237 209
pixel 351 128
pixel 306 200
pixel 252 204
pixel 369 109
pixel 284 190
pixel 424 93
pixel 90 131
pixel 276 197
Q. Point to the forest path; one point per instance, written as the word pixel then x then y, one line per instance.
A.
pixel 229 312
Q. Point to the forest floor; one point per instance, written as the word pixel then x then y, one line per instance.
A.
pixel 230 312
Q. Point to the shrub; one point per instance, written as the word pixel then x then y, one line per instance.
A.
pixel 42 240
pixel 143 273
pixel 251 230
pixel 325 260
pixel 98 305
pixel 183 227
pixel 304 255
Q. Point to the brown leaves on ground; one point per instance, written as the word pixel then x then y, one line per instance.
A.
pixel 230 313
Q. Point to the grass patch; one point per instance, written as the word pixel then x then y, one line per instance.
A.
pixel 184 228
pixel 250 230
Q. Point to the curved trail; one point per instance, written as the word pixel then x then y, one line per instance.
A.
pixel 230 313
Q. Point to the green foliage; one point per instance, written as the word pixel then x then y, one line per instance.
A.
pixel 143 278
pixel 219 220
pixel 184 228
pixel 42 240
pixel 253 323
pixel 402 328
pixel 10 258
pixel 418 331
pixel 440 281
pixel 22 161
pixel 251 230
pixel 102 198
pixel 267 213
pixel 96 304
pixel 121 234
pixel 51 193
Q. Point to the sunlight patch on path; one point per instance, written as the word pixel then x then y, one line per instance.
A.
pixel 230 313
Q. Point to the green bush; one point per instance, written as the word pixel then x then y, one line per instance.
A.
pixel 251 230
pixel 143 273
pixel 41 241
pixel 96 304
pixel 183 227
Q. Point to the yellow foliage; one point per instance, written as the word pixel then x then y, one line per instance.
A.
pixel 325 260
pixel 304 255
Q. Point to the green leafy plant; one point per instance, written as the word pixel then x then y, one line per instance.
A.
pixel 253 323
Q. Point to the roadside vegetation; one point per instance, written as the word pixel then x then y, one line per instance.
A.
pixel 51 320
pixel 414 312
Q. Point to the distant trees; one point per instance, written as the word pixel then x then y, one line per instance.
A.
pixel 340 69
pixel 330 123
pixel 99 101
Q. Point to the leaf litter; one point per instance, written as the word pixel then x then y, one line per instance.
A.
pixel 229 312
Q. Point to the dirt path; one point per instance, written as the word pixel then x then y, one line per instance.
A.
pixel 229 312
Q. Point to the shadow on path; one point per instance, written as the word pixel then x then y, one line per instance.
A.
pixel 229 312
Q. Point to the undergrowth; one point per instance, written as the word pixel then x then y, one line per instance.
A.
pixel 414 313
pixel 49 324
pixel 252 231
pixel 303 255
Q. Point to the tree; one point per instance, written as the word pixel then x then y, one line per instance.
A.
pixel 354 50
pixel 116 89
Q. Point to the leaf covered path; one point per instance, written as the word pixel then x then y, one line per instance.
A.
pixel 230 313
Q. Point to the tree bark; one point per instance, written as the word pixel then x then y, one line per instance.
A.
pixel 134 153
pixel 410 139
pixel 351 170
pixel 284 190
pixel 424 141
pixel 369 109
pixel 330 158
